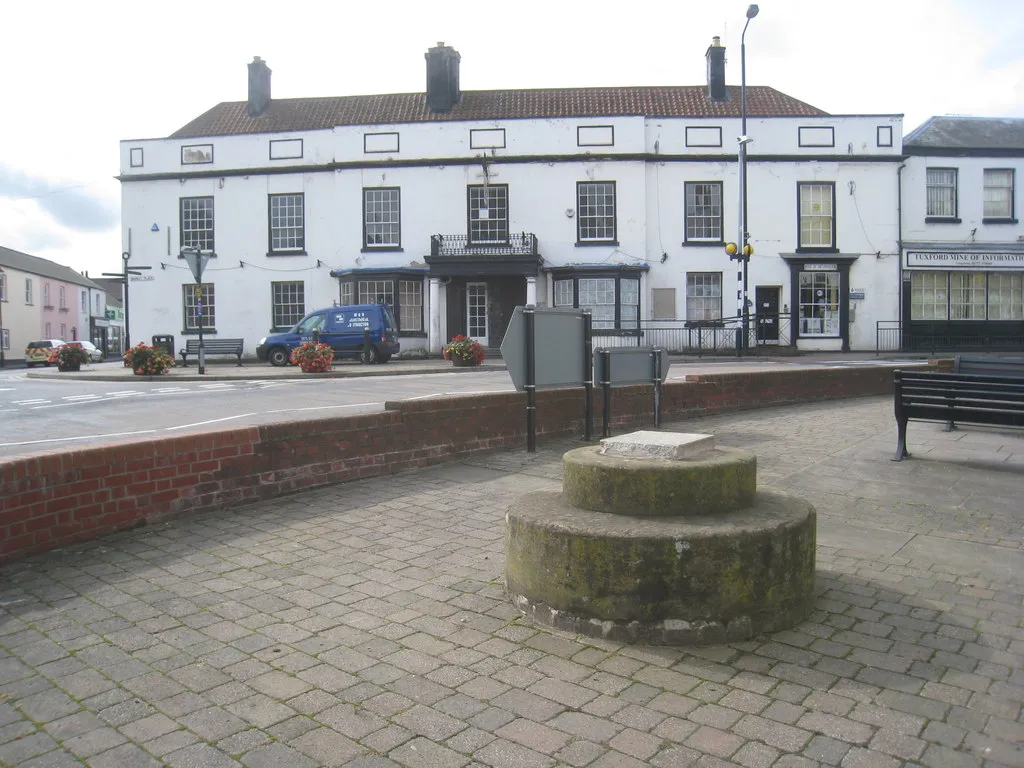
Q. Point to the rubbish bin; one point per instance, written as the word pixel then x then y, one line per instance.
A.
pixel 166 343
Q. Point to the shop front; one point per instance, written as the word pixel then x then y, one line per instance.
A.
pixel 820 297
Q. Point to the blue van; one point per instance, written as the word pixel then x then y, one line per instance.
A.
pixel 341 327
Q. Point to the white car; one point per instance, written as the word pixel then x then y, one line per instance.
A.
pixel 95 353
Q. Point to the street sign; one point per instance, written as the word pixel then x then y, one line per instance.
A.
pixel 630 365
pixel 196 261
pixel 559 348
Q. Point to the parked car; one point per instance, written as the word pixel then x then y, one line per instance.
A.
pixel 38 352
pixel 344 329
pixel 95 353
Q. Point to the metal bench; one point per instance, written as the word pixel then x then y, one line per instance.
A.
pixel 987 366
pixel 212 347
pixel 955 397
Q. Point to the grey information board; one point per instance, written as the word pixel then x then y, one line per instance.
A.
pixel 559 348
pixel 629 365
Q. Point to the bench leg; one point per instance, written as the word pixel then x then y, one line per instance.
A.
pixel 184 360
pixel 950 426
pixel 901 441
pixel 239 359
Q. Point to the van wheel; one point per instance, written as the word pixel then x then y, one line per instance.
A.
pixel 370 356
pixel 278 356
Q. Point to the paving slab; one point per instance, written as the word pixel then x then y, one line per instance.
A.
pixel 365 624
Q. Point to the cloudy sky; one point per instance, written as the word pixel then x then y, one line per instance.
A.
pixel 77 77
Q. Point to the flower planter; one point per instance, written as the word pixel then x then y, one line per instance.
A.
pixel 460 362
pixel 69 367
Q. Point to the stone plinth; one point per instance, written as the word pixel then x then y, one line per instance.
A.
pixel 658 445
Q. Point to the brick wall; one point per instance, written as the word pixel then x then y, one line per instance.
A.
pixel 48 501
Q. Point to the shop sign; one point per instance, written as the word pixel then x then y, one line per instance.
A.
pixel 820 267
pixel 856 294
pixel 964 260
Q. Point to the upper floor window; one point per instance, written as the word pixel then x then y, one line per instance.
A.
pixel 382 218
pixel 3 287
pixel 62 301
pixel 46 295
pixel 28 290
pixel 287 226
pixel 941 191
pixel 998 193
pixel 817 215
pixel 488 213
pixel 704 211
pixel 197 223
pixel 595 212
pixel 85 301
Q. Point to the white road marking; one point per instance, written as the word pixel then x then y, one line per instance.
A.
pixel 29 402
pixel 170 389
pixel 219 385
pixel 80 397
pixel 125 392
pixel 80 437
pixel 323 407
pixel 211 421
pixel 7 389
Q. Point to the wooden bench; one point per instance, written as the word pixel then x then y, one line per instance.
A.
pixel 951 397
pixel 212 347
pixel 987 366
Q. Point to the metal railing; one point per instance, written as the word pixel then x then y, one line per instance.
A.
pixel 518 244
pixel 892 336
pixel 709 337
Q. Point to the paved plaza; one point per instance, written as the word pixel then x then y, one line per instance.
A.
pixel 365 625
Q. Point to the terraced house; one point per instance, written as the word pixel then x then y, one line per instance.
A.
pixel 455 206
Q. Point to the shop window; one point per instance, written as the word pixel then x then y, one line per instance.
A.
pixel 404 297
pixel 1005 297
pixel 967 296
pixel 819 304
pixel 613 301
pixel 929 299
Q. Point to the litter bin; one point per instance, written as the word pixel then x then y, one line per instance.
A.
pixel 166 343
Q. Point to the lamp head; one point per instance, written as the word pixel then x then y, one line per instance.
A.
pixel 744 139
pixel 752 10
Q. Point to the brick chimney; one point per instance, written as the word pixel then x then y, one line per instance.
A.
pixel 716 70
pixel 259 87
pixel 442 78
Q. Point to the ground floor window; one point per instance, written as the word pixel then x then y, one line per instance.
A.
pixel 613 301
pixel 819 304
pixel 703 296
pixel 5 338
pixel 288 303
pixel 404 296
pixel 200 306
pixel 966 296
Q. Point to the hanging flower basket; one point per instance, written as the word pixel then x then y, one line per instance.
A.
pixel 313 358
pixel 463 351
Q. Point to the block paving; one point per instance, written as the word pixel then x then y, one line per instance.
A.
pixel 365 624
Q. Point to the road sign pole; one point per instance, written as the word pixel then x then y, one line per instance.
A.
pixel 657 387
pixel 588 376
pixel 606 386
pixel 531 381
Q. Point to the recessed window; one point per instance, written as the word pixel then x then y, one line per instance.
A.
pixel 488 213
pixel 817 215
pixel 998 193
pixel 404 296
pixel 85 301
pixel 663 304
pixel 288 301
pixel 382 217
pixel 595 135
pixel 703 136
pixel 704 211
pixel 380 142
pixel 62 300
pixel 28 291
pixel 3 287
pixel 595 212
pixel 197 154
pixel 883 135
pixel 199 305
pixel 46 296
pixel 135 157
pixel 48 331
pixel 941 193
pixel 486 138
pixel 816 136
pixel 63 330
pixel 196 224
pixel 613 301
pixel 703 296
pixel 287 223
pixel 285 149
pixel 819 303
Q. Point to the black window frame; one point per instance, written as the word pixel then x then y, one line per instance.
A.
pixel 274 316
pixel 352 280
pixel 618 275
pixel 188 243
pixel 492 190
pixel 298 250
pixel 208 291
pixel 367 246
pixel 614 240
pixel 801 248
pixel 687 240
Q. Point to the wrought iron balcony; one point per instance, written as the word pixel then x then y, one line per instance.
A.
pixel 518 244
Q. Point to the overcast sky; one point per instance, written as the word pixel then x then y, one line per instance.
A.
pixel 77 77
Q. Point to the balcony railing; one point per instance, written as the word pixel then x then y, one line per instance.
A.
pixel 518 244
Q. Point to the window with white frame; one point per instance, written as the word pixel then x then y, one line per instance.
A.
pixel 99 311
pixel 200 306
pixel 614 301
pixel 704 211
pixel 382 217
pixel 46 295
pixel 410 305
pixel 595 212
pixel 998 193
pixel 929 296
pixel 28 290
pixel 196 223
pixel 967 299
pixel 488 213
pixel 63 330
pixel 85 301
pixel 819 303
pixel 346 294
pixel 287 223
pixel 941 193
pixel 703 296
pixel 817 215
pixel 61 297
pixel 377 292
pixel 3 287
pixel 288 302
pixel 1005 296
pixel 48 330
pixel 404 297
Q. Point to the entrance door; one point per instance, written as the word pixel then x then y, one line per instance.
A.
pixel 766 313
pixel 476 312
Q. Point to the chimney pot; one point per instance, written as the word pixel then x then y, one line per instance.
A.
pixel 442 78
pixel 259 87
pixel 715 56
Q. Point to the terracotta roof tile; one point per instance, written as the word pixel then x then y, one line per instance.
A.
pixel 286 115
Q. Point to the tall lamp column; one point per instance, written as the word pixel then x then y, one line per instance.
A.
pixel 3 358
pixel 742 250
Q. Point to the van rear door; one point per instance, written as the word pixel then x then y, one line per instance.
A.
pixel 345 326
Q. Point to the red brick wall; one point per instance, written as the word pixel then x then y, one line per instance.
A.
pixel 52 500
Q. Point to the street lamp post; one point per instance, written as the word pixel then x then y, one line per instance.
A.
pixel 129 269
pixel 3 359
pixel 196 261
pixel 744 251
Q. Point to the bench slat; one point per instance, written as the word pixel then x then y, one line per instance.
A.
pixel 213 347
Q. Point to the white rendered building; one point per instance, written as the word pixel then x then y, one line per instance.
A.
pixel 454 207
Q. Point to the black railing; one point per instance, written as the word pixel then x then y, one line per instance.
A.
pixel 723 336
pixel 924 336
pixel 518 244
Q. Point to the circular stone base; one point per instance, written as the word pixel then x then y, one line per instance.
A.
pixel 723 480
pixel 670 581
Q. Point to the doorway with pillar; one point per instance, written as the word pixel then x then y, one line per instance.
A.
pixel 481 307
